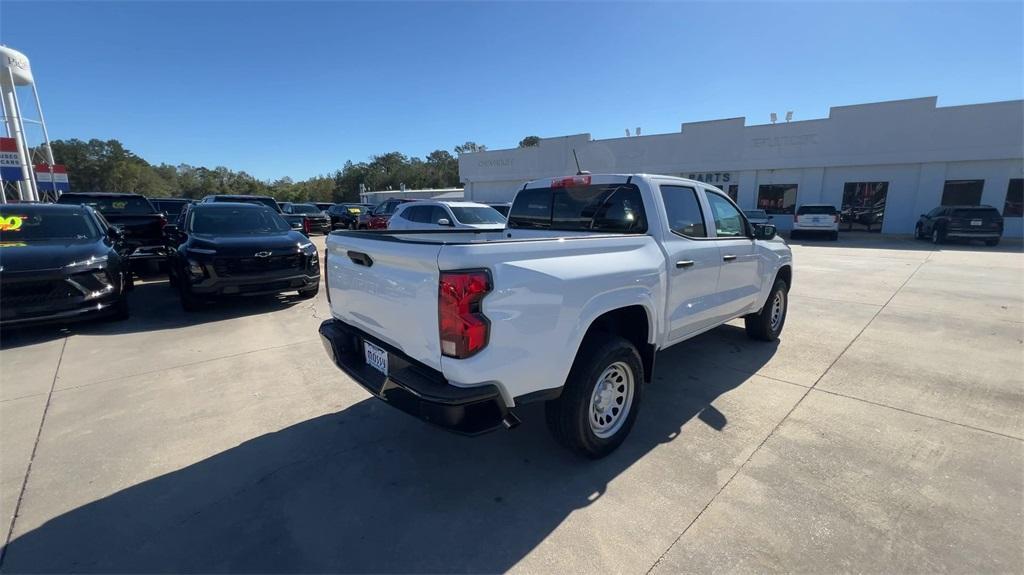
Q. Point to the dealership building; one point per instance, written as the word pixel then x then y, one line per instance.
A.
pixel 882 164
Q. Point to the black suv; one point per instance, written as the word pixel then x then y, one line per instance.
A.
pixel 346 216
pixel 313 218
pixel 960 223
pixel 233 248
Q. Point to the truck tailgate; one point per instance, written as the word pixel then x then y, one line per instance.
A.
pixel 393 298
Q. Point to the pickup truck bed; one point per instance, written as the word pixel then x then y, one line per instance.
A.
pixel 461 327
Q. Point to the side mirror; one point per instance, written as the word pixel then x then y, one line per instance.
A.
pixel 764 232
pixel 443 222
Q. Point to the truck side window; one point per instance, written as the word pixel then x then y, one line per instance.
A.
pixel 684 214
pixel 728 221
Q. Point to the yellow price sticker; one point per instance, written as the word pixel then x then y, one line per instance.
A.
pixel 12 244
pixel 11 223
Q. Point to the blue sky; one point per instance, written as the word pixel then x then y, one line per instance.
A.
pixel 295 89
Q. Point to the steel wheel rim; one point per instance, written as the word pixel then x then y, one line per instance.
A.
pixel 611 399
pixel 778 309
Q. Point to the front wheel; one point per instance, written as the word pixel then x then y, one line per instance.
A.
pixel 918 234
pixel 601 397
pixel 309 293
pixel 937 237
pixel 766 325
pixel 189 301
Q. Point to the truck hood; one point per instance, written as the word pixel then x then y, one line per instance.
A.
pixel 47 255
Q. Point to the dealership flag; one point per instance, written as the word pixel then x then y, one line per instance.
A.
pixel 59 181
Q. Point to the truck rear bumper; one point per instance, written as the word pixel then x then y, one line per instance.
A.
pixel 413 387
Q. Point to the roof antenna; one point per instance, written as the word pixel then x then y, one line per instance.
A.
pixel 579 172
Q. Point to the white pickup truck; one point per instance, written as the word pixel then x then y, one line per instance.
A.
pixel 568 305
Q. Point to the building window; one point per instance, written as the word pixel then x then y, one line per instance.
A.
pixel 734 193
pixel 864 205
pixel 962 192
pixel 777 198
pixel 1014 206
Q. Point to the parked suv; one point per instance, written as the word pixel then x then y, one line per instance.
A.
pixel 313 218
pixel 816 218
pixel 440 215
pixel 961 223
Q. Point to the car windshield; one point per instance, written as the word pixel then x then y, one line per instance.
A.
pixel 241 221
pixel 811 210
pixel 756 213
pixel 477 215
pixel 305 209
pixel 28 225
pixel 975 213
pixel 112 206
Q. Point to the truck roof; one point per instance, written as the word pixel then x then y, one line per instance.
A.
pixel 614 178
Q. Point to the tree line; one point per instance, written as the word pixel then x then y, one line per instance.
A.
pixel 108 166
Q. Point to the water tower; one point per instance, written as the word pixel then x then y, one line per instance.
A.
pixel 17 157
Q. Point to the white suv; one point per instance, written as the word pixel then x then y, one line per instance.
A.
pixel 432 215
pixel 816 218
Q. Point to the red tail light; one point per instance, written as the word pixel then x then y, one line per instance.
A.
pixel 306 227
pixel 163 221
pixel 463 327
pixel 570 182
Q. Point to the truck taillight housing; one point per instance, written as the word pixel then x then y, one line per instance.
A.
pixel 327 274
pixel 307 226
pixel 464 329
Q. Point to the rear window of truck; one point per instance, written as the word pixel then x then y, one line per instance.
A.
pixel 112 205
pixel 611 208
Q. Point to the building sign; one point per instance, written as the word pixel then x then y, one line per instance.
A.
pixel 47 182
pixel 713 178
pixel 10 165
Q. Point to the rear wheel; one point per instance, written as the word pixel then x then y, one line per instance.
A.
pixel 937 236
pixel 918 234
pixel 601 397
pixel 309 293
pixel 121 310
pixel 766 325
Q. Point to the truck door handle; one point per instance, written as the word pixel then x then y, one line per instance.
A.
pixel 728 258
pixel 684 263
pixel 360 258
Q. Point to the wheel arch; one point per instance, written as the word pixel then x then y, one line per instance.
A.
pixel 632 322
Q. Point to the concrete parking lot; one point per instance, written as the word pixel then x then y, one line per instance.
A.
pixel 884 433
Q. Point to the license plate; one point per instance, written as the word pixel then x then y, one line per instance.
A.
pixel 376 357
pixel 975 222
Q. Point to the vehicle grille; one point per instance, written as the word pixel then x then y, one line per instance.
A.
pixel 252 265
pixel 27 293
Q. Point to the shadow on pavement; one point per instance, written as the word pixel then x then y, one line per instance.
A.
pixel 865 240
pixel 368 489
pixel 154 306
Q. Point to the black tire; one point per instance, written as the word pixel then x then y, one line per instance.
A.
pixel 760 325
pixel 309 293
pixel 834 236
pixel 937 236
pixel 189 301
pixel 568 417
pixel 793 234
pixel 129 280
pixel 918 234
pixel 121 310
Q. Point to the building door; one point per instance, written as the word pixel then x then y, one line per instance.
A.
pixel 863 206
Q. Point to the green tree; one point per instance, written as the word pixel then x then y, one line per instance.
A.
pixel 470 147
pixel 529 141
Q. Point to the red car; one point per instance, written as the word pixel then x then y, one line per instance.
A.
pixel 377 218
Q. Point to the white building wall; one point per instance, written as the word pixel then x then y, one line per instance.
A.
pixel 912 144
